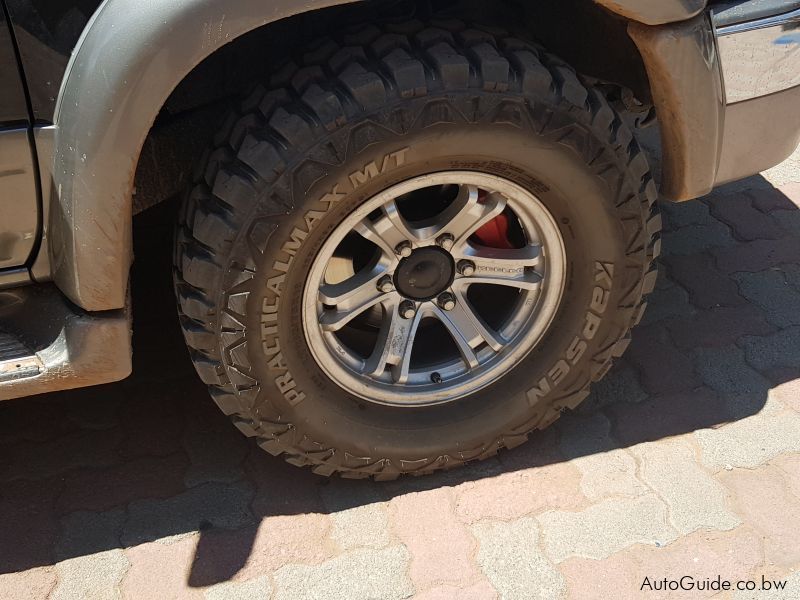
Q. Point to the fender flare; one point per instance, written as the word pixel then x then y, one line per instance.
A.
pixel 130 58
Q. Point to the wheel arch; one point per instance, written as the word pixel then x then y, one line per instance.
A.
pixel 130 59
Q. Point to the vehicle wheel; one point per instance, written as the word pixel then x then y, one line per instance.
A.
pixel 413 249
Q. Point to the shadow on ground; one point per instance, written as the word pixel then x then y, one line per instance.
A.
pixel 155 456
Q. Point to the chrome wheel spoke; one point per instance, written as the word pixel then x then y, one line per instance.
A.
pixel 500 266
pixel 394 344
pixel 350 298
pixel 468 212
pixel 388 231
pixel 460 322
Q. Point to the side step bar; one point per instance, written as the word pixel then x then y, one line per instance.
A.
pixel 48 344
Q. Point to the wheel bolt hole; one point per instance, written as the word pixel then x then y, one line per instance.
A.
pixel 435 377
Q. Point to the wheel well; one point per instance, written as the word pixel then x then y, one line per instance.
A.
pixel 572 29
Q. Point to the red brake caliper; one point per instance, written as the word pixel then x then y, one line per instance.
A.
pixel 494 234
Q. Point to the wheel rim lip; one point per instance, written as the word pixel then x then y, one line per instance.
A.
pixel 324 345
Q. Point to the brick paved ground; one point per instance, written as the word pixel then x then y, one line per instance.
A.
pixel 685 461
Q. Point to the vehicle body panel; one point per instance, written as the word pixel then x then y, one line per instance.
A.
pixel 18 193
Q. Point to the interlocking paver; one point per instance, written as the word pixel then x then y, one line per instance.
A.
pixel 606 469
pixel 707 286
pixel 781 349
pixel 663 368
pixel 769 290
pixel 510 555
pixel 751 441
pixel 219 505
pixel 758 255
pixel 621 385
pixel 746 221
pixel 33 584
pixel 606 527
pixel 694 499
pixel 258 588
pixel 726 371
pixel 357 574
pixel 703 554
pixel 719 326
pixel 161 570
pixel 103 489
pixel 441 547
pixel 763 499
pixel 692 239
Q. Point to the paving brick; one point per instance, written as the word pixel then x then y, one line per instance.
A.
pixel 746 221
pixel 791 582
pixel 211 504
pixel 359 514
pixel 725 371
pixel 679 215
pixel 251 551
pixel 605 528
pixel 606 469
pixel 781 349
pixel 667 302
pixel 96 576
pixel 663 368
pixel 787 394
pixel 762 498
pixel 526 492
pixel 85 533
pixel 357 574
pixel 719 326
pixel 621 384
pixel 441 548
pixel 96 407
pixel 297 492
pixel 102 489
pixel 694 499
pixel 668 415
pixel 788 220
pixel 510 555
pixel 706 285
pixel 160 570
pixel 216 449
pixel 479 591
pixel 91 563
pixel 153 421
pixel 790 465
pixel 701 555
pixel 769 199
pixel 33 584
pixel 694 239
pixel 769 290
pixel 750 442
pixel 259 588
pixel 758 255
pixel 792 274
pixel 30 460
pixel 37 419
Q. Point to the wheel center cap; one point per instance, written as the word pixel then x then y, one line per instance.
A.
pixel 425 274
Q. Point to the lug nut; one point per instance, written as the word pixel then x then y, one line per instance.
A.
pixel 407 309
pixel 403 249
pixel 445 241
pixel 446 301
pixel 466 268
pixel 385 284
